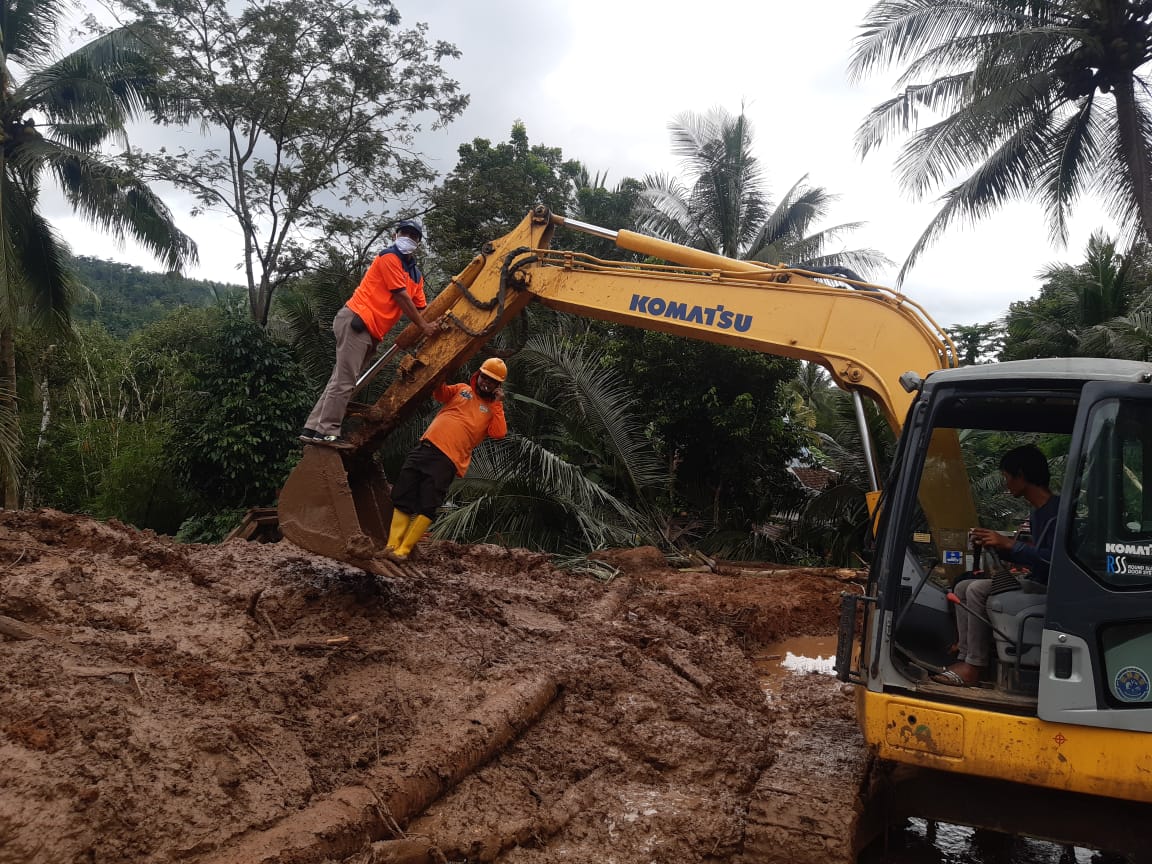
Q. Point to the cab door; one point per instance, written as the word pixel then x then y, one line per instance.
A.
pixel 1096 661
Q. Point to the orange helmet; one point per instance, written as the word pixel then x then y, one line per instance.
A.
pixel 494 367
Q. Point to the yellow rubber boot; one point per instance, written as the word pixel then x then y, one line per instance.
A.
pixel 416 530
pixel 400 522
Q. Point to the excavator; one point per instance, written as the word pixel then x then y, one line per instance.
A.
pixel 1058 744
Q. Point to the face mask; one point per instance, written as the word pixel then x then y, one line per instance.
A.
pixel 406 245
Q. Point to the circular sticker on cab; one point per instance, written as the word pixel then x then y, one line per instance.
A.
pixel 1131 684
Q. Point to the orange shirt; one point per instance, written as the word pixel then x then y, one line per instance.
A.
pixel 463 422
pixel 373 299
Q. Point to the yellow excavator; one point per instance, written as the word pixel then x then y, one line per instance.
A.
pixel 1059 745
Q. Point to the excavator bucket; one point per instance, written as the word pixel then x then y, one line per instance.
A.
pixel 336 505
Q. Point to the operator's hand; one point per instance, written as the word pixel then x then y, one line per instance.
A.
pixel 990 539
pixel 428 329
pixel 499 394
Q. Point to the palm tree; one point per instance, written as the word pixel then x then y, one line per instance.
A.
pixel 1020 86
pixel 1093 309
pixel 723 206
pixel 54 117
pixel 977 343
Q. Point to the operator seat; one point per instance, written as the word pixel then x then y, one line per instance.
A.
pixel 1020 615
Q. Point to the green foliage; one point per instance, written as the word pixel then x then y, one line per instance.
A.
pixel 1093 309
pixel 125 299
pixel 490 190
pixel 596 204
pixel 350 88
pixel 97 442
pixel 234 425
pixel 55 115
pixel 714 414
pixel 832 526
pixel 210 527
pixel 1044 101
pixel 576 473
pixel 977 343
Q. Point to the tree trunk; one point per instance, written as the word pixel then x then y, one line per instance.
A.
pixel 1134 150
pixel 8 409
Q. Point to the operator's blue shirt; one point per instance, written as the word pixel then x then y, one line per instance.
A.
pixel 1037 556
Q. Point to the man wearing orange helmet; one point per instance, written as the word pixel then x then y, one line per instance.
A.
pixel 471 413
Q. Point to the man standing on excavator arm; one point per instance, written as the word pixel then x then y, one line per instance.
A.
pixel 393 286
pixel 471 413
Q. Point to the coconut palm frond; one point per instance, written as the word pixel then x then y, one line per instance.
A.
pixel 107 81
pixel 30 29
pixel 596 403
pixel 722 205
pixel 40 284
pixel 664 211
pixel 527 496
pixel 1036 102
pixel 113 200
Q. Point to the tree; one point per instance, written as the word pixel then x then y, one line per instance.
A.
pixel 55 115
pixel 99 443
pixel 723 206
pixel 715 416
pixel 490 190
pixel 1085 310
pixel 314 108
pixel 977 343
pixel 1020 85
pixel 235 419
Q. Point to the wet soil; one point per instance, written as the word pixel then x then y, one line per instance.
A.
pixel 250 702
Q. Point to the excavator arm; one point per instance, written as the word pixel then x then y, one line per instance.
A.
pixel 864 335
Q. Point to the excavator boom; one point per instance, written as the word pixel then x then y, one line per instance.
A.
pixel 336 503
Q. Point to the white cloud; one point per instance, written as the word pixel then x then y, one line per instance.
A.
pixel 602 79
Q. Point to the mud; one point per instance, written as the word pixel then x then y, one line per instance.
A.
pixel 255 702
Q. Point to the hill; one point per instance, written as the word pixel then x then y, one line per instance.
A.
pixel 125 298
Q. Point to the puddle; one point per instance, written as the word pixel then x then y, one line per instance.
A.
pixel 920 842
pixel 800 654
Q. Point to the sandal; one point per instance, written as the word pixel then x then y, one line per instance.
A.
pixel 952 679
pixel 337 442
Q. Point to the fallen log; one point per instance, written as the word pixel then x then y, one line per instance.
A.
pixel 344 822
pixel 530 832
pixel 305 644
pixel 14 628
pixel 685 668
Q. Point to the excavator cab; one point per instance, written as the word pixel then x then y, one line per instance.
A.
pixel 1068 701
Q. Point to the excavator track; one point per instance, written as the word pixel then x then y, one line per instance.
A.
pixel 808 806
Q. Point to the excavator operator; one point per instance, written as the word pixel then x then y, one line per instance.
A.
pixel 471 413
pixel 393 286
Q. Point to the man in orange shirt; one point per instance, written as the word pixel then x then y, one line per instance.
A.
pixel 393 286
pixel 471 413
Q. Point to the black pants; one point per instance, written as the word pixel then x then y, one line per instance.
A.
pixel 424 481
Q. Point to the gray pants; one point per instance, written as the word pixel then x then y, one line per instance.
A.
pixel 975 637
pixel 353 351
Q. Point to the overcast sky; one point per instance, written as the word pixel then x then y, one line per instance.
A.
pixel 602 79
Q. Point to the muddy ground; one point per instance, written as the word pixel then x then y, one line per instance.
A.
pixel 249 702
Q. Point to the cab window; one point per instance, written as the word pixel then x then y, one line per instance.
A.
pixel 1112 529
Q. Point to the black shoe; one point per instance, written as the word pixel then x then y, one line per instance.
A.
pixel 308 433
pixel 336 442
